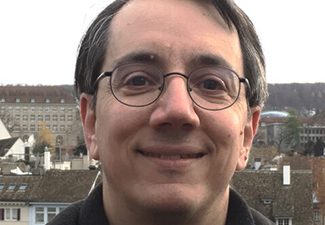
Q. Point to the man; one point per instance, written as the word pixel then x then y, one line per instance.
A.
pixel 170 97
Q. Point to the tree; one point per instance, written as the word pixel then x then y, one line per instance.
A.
pixel 292 130
pixel 80 148
pixel 44 139
pixel 309 148
pixel 8 120
pixel 319 148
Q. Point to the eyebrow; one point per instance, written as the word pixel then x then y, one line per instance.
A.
pixel 196 60
pixel 137 57
pixel 210 60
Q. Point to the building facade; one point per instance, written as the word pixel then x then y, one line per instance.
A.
pixel 24 109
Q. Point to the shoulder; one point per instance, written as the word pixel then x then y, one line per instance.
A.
pixel 260 219
pixel 69 216
pixel 239 213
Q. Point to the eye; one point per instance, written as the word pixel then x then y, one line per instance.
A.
pixel 211 84
pixel 137 81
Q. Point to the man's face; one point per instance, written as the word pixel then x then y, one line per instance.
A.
pixel 170 154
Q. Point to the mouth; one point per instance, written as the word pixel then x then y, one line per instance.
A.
pixel 172 157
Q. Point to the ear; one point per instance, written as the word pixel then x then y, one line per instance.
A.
pixel 249 133
pixel 88 118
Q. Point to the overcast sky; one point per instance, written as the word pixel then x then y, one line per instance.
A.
pixel 39 39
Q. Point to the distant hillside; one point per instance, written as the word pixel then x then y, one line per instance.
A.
pixel 302 97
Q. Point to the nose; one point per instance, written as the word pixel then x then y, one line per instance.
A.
pixel 174 109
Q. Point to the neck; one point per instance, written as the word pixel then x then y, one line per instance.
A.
pixel 120 210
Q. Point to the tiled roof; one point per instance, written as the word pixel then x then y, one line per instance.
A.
pixel 294 200
pixel 39 93
pixel 6 144
pixel 54 186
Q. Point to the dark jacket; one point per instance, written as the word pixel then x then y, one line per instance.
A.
pixel 91 211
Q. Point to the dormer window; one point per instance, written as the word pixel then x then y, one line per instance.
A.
pixel 3 100
pixel 11 187
pixel 22 187
pixel 32 100
pixel 17 100
pixel 62 100
pixel 47 100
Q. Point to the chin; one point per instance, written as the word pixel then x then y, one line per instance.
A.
pixel 172 199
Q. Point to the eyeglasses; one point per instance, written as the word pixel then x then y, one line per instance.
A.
pixel 211 88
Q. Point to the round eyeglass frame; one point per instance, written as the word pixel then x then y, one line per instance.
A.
pixel 161 88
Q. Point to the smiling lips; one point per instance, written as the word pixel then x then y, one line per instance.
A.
pixel 172 157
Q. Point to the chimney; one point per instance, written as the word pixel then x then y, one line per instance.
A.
pixel 286 175
pixel 47 158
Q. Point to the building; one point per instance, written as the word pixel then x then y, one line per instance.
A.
pixel 35 200
pixel 25 109
pixel 285 197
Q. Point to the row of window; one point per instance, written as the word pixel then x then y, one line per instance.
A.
pixel 40 118
pixel 33 100
pixel 33 109
pixel 33 127
pixel 313 131
pixel 11 214
pixel 306 139
pixel 46 214
pixel 12 187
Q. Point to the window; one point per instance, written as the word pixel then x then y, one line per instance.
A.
pixel 7 213
pixel 17 117
pixel 62 118
pixel 32 108
pixel 39 215
pixel 17 109
pixel 69 118
pixel 2 186
pixel 70 109
pixel 40 118
pixel 40 109
pixel 62 128
pixel 32 100
pixel 47 117
pixel 15 214
pixel 55 117
pixel 51 212
pixel 25 128
pixel 32 127
pixel 283 221
pixel 47 109
pixel 3 100
pixel 62 100
pixel 47 100
pixel 47 126
pixel 62 109
pixel 11 187
pixel 25 109
pixel 54 109
pixel 17 100
pixel 54 128
pixel 17 127
pixel 32 118
pixel 22 187
pixel 25 117
pixel 10 214
pixel 316 215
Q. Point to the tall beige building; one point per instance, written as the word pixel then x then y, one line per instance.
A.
pixel 24 109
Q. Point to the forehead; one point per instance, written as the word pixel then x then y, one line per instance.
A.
pixel 172 29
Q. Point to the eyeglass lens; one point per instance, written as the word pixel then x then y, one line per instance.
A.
pixel 210 87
